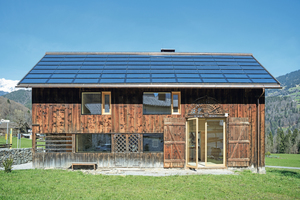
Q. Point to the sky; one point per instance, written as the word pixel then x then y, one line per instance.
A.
pixel 269 29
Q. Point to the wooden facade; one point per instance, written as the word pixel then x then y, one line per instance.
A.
pixel 58 110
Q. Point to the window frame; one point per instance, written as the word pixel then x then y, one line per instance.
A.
pixel 158 93
pixel 179 103
pixel 148 134
pixel 82 93
pixel 102 97
pixel 77 140
pixel 103 103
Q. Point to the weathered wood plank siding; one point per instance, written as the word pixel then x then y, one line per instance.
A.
pixel 104 160
pixel 58 110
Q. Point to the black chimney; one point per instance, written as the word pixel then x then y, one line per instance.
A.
pixel 167 50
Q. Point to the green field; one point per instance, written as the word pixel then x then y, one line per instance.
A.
pixel 25 143
pixel 287 160
pixel 64 184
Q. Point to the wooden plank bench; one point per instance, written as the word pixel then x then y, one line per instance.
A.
pixel 84 163
pixel 5 145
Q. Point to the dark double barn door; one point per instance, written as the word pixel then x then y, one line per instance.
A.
pixel 238 142
pixel 174 142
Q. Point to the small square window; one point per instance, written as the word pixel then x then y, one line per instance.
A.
pixel 91 103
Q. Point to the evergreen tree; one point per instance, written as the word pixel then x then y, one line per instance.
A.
pixel 281 142
pixel 269 142
pixel 287 142
pixel 294 136
pixel 271 138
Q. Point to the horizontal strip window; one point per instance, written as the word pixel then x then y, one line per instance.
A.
pixel 93 143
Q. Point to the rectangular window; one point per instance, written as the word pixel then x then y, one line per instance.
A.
pixel 176 102
pixel 91 103
pixel 93 143
pixel 96 103
pixel 153 142
pixel 127 143
pixel 157 103
pixel 106 99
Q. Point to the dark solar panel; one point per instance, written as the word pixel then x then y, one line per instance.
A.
pixel 214 80
pixel 166 80
pixel 60 80
pixel 138 75
pixel 86 80
pixel 163 75
pixel 133 68
pixel 138 80
pixel 88 75
pixel 189 80
pixel 188 75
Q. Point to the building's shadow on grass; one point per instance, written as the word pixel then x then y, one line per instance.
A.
pixel 284 172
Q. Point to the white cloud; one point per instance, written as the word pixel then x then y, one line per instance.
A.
pixel 8 85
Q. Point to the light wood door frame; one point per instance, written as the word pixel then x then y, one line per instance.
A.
pixel 197 150
pixel 224 143
pixel 187 143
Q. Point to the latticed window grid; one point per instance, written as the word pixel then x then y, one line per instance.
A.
pixel 125 143
pixel 133 143
pixel 120 143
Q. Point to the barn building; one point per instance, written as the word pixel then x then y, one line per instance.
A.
pixel 149 110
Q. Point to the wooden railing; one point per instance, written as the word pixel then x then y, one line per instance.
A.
pixel 53 142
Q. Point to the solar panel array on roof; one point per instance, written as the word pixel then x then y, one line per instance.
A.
pixel 125 68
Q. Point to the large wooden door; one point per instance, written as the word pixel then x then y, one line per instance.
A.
pixel 238 142
pixel 174 142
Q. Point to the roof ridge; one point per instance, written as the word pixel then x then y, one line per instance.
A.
pixel 146 53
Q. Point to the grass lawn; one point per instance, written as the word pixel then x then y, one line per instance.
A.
pixel 25 143
pixel 287 160
pixel 63 184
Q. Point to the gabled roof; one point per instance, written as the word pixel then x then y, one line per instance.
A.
pixel 195 70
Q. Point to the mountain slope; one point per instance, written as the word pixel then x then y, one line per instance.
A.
pixel 15 112
pixel 3 93
pixel 21 96
pixel 283 106
pixel 290 86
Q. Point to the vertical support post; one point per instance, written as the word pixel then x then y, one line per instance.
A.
pixel 7 133
pixel 73 143
pixel 10 139
pixel 33 140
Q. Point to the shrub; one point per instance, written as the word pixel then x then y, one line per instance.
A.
pixel 268 154
pixel 7 164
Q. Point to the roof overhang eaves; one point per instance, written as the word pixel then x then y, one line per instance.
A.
pixel 146 53
pixel 203 85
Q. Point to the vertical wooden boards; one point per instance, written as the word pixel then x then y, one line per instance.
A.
pixel 262 135
pixel 58 110
pixel 238 142
pixel 174 142
pixel 104 160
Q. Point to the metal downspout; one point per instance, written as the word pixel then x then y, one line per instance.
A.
pixel 258 130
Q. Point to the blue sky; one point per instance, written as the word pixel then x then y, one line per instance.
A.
pixel 270 30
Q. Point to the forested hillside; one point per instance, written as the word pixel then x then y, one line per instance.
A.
pixel 283 115
pixel 2 93
pixel 21 96
pixel 291 86
pixel 15 112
